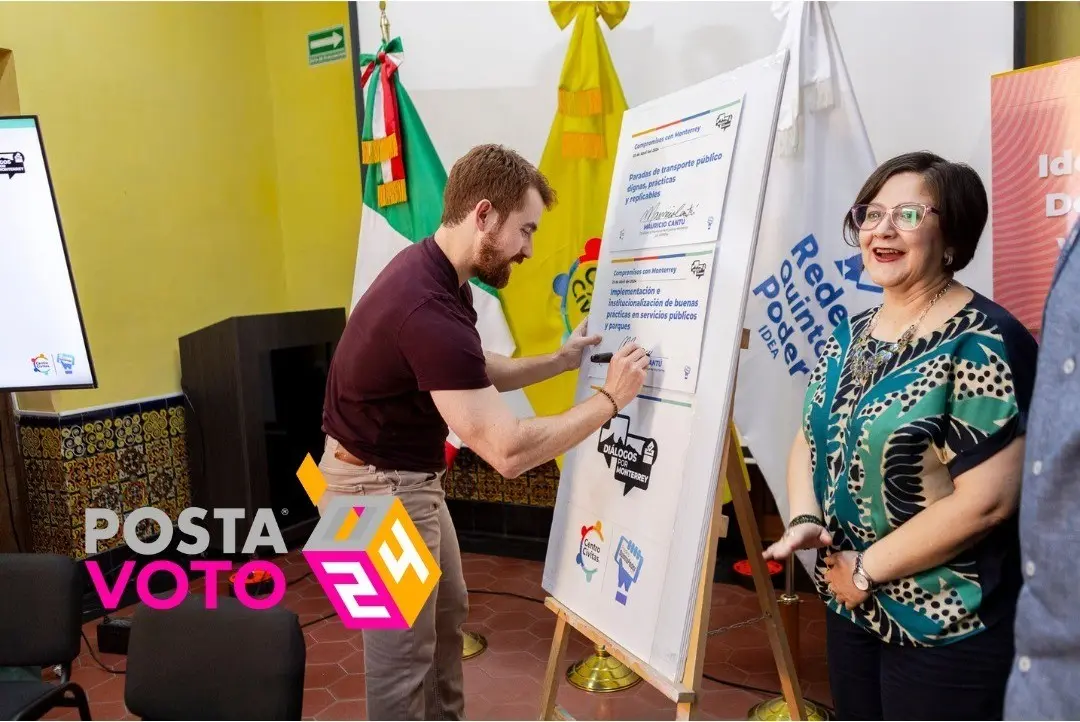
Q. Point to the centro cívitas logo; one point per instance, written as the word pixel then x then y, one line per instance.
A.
pixel 365 551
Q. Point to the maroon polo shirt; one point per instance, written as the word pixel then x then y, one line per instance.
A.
pixel 412 333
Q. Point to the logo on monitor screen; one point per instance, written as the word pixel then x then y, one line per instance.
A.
pixel 41 364
pixel 66 361
pixel 12 164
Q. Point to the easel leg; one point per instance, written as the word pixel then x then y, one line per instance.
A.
pixel 551 674
pixel 744 512
pixel 699 634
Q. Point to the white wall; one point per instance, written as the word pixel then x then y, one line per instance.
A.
pixel 482 72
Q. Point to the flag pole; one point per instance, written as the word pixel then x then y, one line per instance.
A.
pixel 473 643
pixel 589 93
pixel 384 22
pixel 788 603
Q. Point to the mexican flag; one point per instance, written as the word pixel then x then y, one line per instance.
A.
pixel 403 181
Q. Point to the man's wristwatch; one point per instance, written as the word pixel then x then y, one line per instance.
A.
pixel 862 581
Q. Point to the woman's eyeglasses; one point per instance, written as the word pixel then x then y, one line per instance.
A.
pixel 904 217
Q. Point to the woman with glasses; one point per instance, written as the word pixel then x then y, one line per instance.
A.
pixel 906 474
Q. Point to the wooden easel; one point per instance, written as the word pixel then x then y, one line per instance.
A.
pixel 687 693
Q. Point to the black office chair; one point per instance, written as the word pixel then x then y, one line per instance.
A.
pixel 40 626
pixel 229 663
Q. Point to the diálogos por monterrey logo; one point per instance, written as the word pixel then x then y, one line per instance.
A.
pixel 632 455
pixel 12 163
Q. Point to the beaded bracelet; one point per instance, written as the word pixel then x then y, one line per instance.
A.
pixel 806 519
pixel 614 406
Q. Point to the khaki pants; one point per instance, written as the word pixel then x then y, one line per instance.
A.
pixel 412 674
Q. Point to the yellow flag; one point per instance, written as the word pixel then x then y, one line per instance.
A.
pixel 550 294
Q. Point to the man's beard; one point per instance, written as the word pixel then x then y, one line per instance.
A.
pixel 490 267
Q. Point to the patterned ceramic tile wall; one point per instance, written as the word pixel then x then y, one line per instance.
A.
pixel 135 455
pixel 472 479
pixel 119 458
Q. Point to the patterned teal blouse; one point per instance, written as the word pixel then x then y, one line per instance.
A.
pixel 951 399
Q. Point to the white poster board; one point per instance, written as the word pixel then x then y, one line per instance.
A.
pixel 635 500
pixel 43 339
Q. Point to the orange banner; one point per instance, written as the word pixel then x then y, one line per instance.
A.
pixel 1035 141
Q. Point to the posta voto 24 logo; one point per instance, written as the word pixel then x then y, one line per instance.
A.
pixel 365 551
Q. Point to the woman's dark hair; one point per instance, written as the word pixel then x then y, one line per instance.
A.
pixel 958 194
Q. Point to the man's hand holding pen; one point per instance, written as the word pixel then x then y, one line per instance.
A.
pixel 603 358
pixel 626 373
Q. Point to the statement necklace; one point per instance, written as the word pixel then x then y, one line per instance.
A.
pixel 866 363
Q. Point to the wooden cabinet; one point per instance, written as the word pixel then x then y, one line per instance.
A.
pixel 255 387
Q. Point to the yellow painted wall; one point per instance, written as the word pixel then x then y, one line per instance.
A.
pixel 1053 31
pixel 317 155
pixel 196 177
pixel 9 91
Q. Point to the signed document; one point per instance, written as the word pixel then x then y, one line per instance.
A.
pixel 658 302
pixel 671 193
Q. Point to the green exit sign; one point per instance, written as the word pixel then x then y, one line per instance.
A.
pixel 326 46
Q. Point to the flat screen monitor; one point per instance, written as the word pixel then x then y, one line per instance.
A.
pixel 43 344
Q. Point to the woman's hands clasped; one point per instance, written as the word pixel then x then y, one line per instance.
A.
pixel 840 565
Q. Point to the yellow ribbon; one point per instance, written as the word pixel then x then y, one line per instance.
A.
pixel 612 12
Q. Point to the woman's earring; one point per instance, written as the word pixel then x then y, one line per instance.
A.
pixel 948 258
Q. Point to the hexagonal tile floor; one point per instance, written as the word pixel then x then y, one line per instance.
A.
pixel 503 683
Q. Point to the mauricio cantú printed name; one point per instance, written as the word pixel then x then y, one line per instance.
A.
pixel 656 213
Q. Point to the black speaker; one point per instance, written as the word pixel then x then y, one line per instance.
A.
pixel 255 387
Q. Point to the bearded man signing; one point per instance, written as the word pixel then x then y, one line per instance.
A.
pixel 409 366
